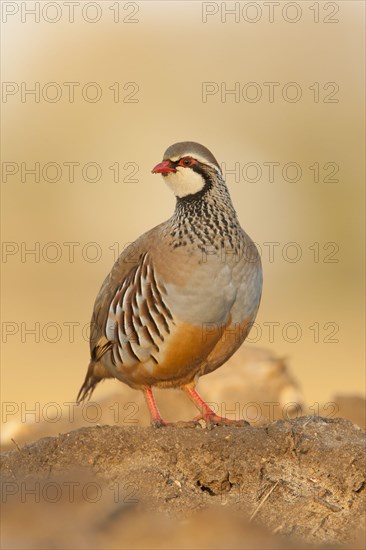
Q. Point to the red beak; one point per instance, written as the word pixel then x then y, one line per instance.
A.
pixel 164 167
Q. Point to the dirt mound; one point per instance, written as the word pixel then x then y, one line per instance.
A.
pixel 287 484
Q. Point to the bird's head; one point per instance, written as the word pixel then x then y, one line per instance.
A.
pixel 188 168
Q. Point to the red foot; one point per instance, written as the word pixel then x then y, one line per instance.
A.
pixel 210 418
pixel 208 415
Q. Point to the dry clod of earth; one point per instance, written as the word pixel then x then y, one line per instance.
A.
pixel 287 484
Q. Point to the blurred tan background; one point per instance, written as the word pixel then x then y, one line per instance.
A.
pixel 169 52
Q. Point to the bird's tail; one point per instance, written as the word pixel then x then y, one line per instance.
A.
pixel 91 380
pixel 96 372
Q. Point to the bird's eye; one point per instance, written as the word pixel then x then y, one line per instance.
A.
pixel 187 161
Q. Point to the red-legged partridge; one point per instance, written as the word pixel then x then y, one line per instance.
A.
pixel 180 300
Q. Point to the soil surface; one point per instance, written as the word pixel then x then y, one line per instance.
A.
pixel 286 484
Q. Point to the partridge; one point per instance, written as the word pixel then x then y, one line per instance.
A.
pixel 182 298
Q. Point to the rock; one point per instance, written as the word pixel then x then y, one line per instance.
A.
pixel 286 484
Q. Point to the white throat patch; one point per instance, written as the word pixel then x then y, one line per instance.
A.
pixel 184 181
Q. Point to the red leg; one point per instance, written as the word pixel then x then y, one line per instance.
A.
pixel 156 419
pixel 207 414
